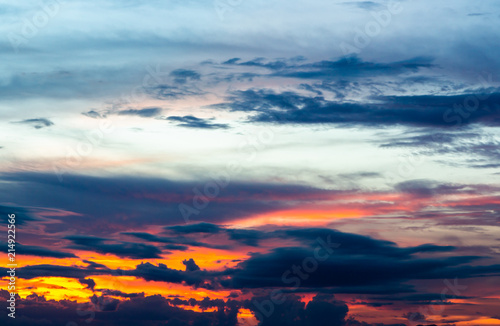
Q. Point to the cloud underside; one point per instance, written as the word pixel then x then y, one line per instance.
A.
pixel 329 259
pixel 418 111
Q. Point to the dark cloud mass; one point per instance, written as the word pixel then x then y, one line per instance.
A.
pixel 343 261
pixel 104 310
pixel 290 107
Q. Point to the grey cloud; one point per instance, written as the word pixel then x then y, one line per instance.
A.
pixel 38 123
pixel 143 113
pixel 189 121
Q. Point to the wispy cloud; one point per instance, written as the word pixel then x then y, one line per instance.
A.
pixel 38 123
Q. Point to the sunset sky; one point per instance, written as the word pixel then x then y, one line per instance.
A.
pixel 250 162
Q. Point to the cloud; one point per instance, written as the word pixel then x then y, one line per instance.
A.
pixel 195 228
pixel 47 270
pixel 415 316
pixel 162 273
pixel 22 215
pixel 190 265
pixel 474 149
pixel 429 188
pixel 422 298
pixel 90 283
pixel 43 252
pixel 290 107
pixel 36 123
pixel 359 262
pixel 353 67
pixel 117 293
pixel 134 310
pixel 122 249
pixel 93 114
pixel 181 76
pixel 322 261
pixel 350 243
pixel 189 121
pixel 244 236
pixel 174 242
pixel 104 201
pixel 172 92
pixel 322 310
pixel 143 113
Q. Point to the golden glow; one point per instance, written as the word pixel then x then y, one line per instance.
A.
pixel 483 321
pixel 246 317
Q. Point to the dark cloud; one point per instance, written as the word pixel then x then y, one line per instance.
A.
pixel 322 310
pixel 22 215
pixel 93 264
pixel 147 271
pixel 195 228
pixel 190 265
pixel 90 283
pixel 124 203
pixel 144 113
pixel 94 114
pixel 189 121
pixel 231 61
pixel 175 247
pixel 176 241
pixel 121 203
pixel 122 249
pixel 106 311
pixel 327 69
pixel 349 243
pixel 116 293
pixel 162 273
pixel 36 123
pixel 45 270
pixel 424 111
pixel 42 252
pixel 415 317
pixel 358 261
pixel 424 298
pixel 181 76
pixel 259 62
pixel 324 261
pixel 244 236
pixel 353 322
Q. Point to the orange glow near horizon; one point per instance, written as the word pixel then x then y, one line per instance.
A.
pixel 56 288
pixel 299 217
pixel 482 321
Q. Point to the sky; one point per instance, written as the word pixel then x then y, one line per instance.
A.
pixel 237 162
